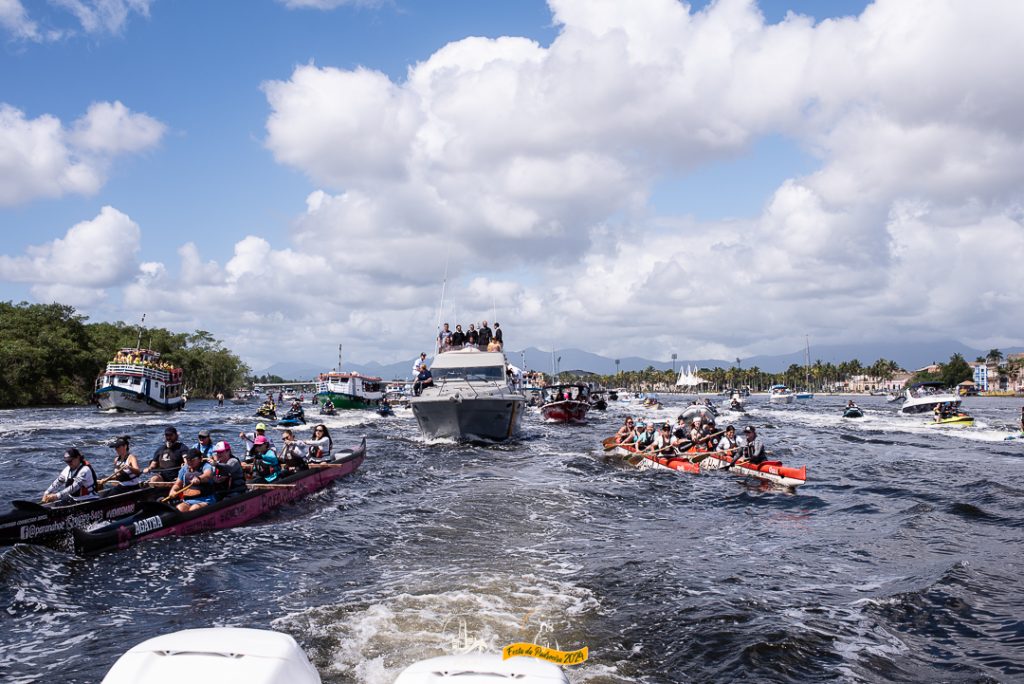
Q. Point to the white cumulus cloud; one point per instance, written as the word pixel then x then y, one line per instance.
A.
pixel 41 158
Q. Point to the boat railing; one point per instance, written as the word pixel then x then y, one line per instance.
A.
pixel 146 371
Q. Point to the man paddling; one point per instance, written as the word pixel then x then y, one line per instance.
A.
pixel 728 442
pixel 168 459
pixel 76 482
pixel 195 482
pixel 753 448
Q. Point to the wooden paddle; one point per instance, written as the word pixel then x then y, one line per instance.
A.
pixel 181 494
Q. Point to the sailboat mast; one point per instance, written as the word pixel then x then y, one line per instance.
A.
pixel 807 361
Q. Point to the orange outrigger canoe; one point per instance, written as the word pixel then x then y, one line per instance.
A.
pixel 772 471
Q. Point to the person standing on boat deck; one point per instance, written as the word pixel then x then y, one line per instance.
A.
pixel 195 478
pixel 126 466
pixel 497 334
pixel 472 336
pixel 168 459
pixel 484 335
pixel 728 441
pixel 76 482
pixel 228 476
pixel 444 339
pixel 424 379
pixel 753 448
pixel 458 337
pixel 265 467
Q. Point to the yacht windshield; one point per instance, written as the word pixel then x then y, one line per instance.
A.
pixel 476 373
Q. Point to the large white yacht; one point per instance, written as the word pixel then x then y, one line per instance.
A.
pixel 472 397
pixel 923 397
pixel 780 394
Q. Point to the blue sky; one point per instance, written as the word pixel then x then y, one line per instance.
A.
pixel 324 162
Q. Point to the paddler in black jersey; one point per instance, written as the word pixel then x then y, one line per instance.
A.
pixel 77 482
pixel 168 459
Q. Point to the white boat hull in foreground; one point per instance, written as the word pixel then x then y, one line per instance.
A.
pixel 218 655
pixel 482 668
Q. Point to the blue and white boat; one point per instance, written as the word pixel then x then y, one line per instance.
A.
pixel 137 380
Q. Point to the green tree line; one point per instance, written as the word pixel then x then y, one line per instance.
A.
pixel 817 377
pixel 49 354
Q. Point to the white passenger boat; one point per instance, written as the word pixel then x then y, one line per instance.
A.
pixel 137 380
pixel 472 397
pixel 923 397
pixel 780 394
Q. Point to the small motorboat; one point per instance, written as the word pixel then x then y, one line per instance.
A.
pixel 853 412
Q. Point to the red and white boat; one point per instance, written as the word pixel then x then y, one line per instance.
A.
pixel 772 471
pixel 565 403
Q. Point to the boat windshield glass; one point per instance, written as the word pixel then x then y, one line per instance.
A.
pixel 474 373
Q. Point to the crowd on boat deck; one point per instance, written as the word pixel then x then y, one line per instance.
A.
pixel 482 338
pixel 699 436
pixel 198 475
pixel 139 360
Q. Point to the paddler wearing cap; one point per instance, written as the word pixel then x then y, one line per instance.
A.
pixel 168 459
pixel 126 466
pixel 205 444
pixel 194 482
pixel 228 478
pixel 265 465
pixel 250 437
pixel 76 482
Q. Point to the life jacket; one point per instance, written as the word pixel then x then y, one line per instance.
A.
pixel 267 466
pixel 84 490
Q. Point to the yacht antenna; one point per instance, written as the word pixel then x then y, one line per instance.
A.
pixel 142 323
pixel 339 358
pixel 444 286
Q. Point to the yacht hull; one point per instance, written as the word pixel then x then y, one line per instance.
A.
pixel 455 416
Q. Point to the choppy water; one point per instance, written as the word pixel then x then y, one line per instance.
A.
pixel 899 560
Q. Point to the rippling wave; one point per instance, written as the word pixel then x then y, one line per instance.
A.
pixel 898 561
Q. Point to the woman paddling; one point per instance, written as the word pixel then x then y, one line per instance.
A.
pixel 126 467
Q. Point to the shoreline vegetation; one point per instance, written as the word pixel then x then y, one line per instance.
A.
pixel 51 356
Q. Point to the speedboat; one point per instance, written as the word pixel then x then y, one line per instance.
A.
pixel 472 397
pixel 923 397
pixel 565 403
pixel 780 394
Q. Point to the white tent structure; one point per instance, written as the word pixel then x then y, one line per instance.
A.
pixel 689 378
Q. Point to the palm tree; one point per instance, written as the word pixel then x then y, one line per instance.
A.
pixel 994 355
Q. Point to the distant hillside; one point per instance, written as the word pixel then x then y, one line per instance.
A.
pixel 907 355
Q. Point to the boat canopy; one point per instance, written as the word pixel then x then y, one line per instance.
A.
pixel 467 358
pixel 931 383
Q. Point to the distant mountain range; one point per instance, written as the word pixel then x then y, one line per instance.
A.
pixel 908 355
